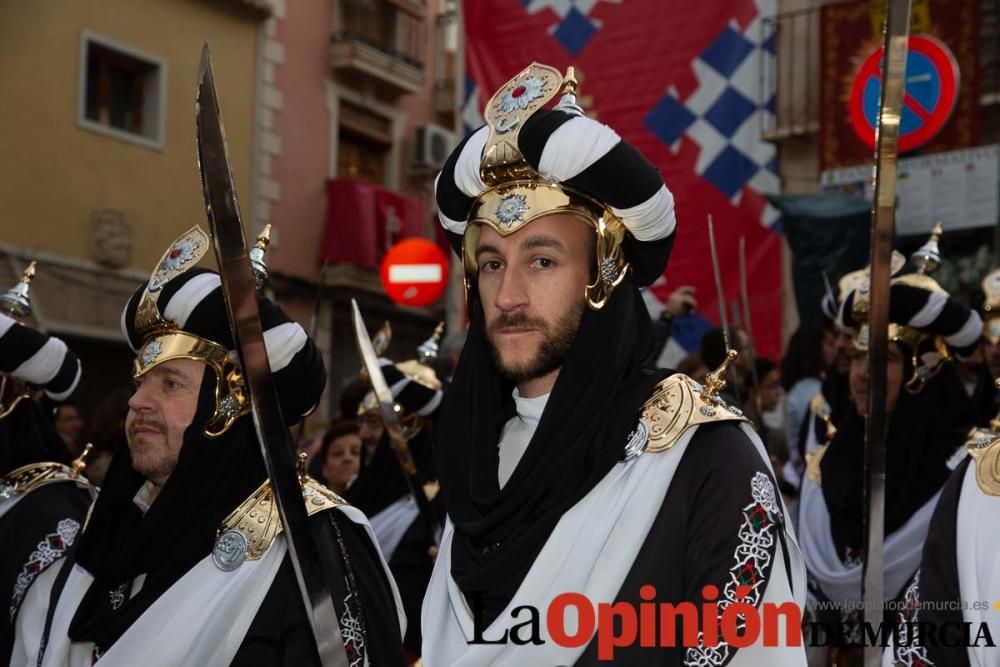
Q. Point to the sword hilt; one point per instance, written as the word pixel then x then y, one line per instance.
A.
pixel 715 381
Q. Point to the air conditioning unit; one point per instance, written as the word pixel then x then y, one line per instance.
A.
pixel 432 147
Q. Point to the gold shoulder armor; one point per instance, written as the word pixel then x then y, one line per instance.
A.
pixel 677 404
pixel 257 519
pixel 986 453
pixel 819 406
pixel 25 479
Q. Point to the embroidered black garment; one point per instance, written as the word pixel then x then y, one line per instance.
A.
pixel 936 586
pixel 35 533
pixel 720 524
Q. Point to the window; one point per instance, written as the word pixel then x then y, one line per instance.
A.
pixel 364 142
pixel 122 91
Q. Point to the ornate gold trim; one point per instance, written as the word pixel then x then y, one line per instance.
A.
pixel 819 407
pixel 812 464
pixel 505 114
pixel 510 207
pixel 986 453
pixel 23 480
pixel 678 403
pixel 182 254
pixel 231 400
pixel 258 520
pixel 12 391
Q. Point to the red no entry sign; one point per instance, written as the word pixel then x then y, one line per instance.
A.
pixel 929 93
pixel 415 272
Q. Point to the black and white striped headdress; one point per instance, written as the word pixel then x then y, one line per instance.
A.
pixel 413 395
pixel 191 321
pixel 416 392
pixel 528 162
pixel 923 317
pixel 38 359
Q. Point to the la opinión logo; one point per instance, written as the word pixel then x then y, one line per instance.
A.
pixel 652 625
pixel 735 623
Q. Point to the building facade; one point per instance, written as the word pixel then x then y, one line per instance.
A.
pixel 98 167
pixel 360 113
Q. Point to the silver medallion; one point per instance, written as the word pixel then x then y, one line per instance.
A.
pixel 151 352
pixel 511 209
pixel 230 550
pixel 706 410
pixel 229 407
pixel 637 440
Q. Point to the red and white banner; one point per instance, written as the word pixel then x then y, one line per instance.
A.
pixel 681 82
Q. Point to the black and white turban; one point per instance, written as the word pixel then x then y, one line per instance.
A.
pixel 930 312
pixel 572 150
pixel 194 302
pixel 410 394
pixel 38 359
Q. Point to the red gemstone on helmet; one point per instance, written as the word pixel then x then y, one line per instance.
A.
pixel 517 92
pixel 175 253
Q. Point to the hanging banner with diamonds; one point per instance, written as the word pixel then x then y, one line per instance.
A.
pixel 680 81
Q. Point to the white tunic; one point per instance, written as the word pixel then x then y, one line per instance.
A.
pixel 201 620
pixel 841 583
pixel 977 546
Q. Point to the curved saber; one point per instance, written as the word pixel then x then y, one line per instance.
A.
pixel 387 406
pixel 314 556
pixel 897 28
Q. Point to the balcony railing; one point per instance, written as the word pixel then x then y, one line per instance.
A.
pixel 446 69
pixel 378 38
pixel 793 75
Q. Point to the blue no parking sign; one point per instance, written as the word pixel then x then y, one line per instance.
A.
pixel 929 94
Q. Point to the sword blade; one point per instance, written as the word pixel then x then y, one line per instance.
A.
pixel 747 326
pixel 387 406
pixel 897 26
pixel 240 290
pixel 717 271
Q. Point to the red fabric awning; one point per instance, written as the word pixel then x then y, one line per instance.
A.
pixel 364 220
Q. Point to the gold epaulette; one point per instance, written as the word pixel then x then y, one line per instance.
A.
pixel 984 448
pixel 25 479
pixel 677 404
pixel 819 407
pixel 812 464
pixel 257 517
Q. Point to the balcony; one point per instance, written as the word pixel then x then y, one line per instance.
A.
pixel 382 39
pixel 446 58
pixel 793 78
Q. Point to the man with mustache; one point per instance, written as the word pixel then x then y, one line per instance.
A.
pixel 565 465
pixel 184 560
